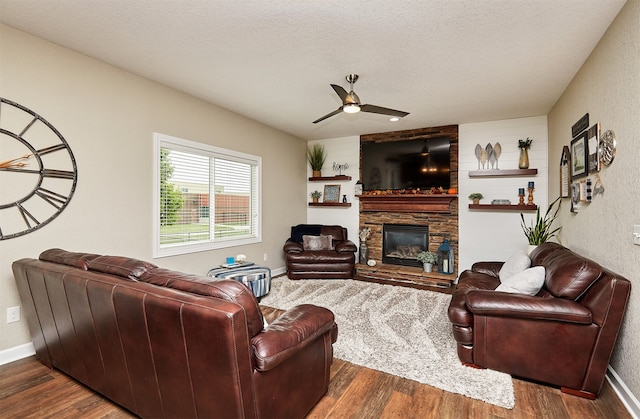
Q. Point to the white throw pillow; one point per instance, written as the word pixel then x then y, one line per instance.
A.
pixel 517 263
pixel 528 282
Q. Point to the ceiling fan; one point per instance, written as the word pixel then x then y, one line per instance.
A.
pixel 351 103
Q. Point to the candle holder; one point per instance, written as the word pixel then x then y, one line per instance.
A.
pixel 521 201
pixel 530 199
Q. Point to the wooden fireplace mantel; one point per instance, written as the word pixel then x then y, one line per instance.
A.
pixel 407 203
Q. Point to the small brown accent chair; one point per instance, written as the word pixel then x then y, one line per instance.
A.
pixel 563 336
pixel 336 260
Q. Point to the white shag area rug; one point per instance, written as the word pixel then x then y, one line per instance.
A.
pixel 398 330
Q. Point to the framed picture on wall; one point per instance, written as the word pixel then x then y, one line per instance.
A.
pixel 579 153
pixel 565 174
pixel 331 193
pixel 592 146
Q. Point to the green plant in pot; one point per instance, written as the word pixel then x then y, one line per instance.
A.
pixel 542 230
pixel 315 195
pixel 476 197
pixel 427 259
pixel 316 156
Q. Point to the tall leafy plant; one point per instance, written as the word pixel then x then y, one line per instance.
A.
pixel 541 231
pixel 316 155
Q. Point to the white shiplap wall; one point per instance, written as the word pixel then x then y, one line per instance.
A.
pixel 489 235
pixel 339 150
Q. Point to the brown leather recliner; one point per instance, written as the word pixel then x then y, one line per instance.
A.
pixel 563 336
pixel 336 261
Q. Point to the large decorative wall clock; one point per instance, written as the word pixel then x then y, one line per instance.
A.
pixel 38 172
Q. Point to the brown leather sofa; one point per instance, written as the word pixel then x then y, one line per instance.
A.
pixel 167 344
pixel 334 261
pixel 563 336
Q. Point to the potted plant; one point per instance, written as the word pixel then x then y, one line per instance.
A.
pixel 541 231
pixel 428 259
pixel 316 155
pixel 476 197
pixel 315 195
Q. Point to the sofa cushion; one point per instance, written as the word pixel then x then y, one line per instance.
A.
pixel 226 289
pixel 75 259
pixel 516 263
pixel 120 266
pixel 527 282
pixel 321 242
pixel 569 275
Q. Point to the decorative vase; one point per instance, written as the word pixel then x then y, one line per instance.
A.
pixel 523 161
pixel 428 267
pixel 317 173
pixel 531 248
pixel 364 253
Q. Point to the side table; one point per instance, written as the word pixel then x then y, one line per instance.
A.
pixel 257 278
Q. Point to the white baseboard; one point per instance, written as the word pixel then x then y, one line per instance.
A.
pixel 624 394
pixel 278 271
pixel 16 353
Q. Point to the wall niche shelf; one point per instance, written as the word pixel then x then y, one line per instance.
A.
pixel 502 172
pixel 329 204
pixel 493 207
pixel 329 178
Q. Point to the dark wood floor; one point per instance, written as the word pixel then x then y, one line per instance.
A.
pixel 30 390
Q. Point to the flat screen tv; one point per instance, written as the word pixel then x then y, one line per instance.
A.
pixel 407 164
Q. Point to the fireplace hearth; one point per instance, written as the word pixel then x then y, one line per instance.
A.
pixel 401 243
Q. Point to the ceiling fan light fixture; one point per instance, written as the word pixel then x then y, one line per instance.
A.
pixel 351 108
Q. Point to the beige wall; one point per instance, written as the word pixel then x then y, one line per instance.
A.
pixel 608 88
pixel 108 116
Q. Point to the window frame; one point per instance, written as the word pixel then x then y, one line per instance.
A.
pixel 180 144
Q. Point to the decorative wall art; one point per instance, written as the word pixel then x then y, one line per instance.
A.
pixel 579 153
pixel 38 171
pixel 565 174
pixel 488 155
pixel 331 193
pixel 593 148
pixel 607 147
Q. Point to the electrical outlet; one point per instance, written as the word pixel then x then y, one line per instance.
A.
pixel 13 314
pixel 636 234
pixel 265 257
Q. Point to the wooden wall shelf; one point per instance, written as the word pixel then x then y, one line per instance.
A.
pixel 515 207
pixel 329 178
pixel 330 204
pixel 502 172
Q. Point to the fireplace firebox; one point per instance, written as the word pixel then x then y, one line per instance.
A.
pixel 401 243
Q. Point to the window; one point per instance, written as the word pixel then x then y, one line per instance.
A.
pixel 205 197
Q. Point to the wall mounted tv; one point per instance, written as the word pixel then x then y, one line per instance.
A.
pixel 406 164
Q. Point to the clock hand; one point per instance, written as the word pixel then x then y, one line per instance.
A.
pixel 14 162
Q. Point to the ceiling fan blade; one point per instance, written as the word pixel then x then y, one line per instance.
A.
pixel 383 111
pixel 341 92
pixel 337 111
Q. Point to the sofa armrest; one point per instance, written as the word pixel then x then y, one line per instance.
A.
pixel 488 268
pixel 290 333
pixel 346 246
pixel 500 304
pixel 292 246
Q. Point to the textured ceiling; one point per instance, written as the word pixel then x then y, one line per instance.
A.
pixel 444 61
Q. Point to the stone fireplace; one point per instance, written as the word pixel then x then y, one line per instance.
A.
pixel 401 243
pixel 437 212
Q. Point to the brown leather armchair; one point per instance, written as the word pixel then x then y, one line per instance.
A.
pixel 563 336
pixel 334 260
